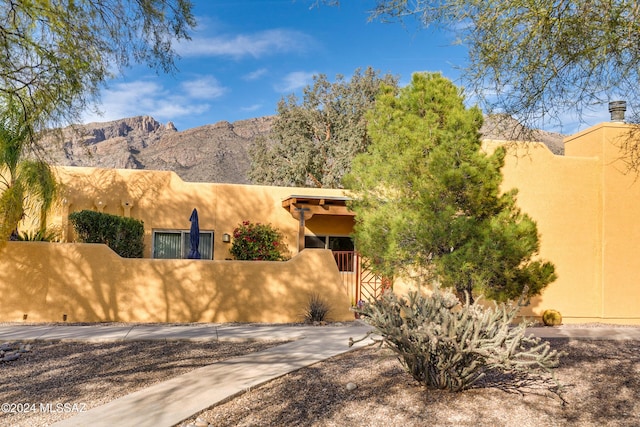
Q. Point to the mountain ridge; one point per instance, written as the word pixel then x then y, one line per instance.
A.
pixel 216 152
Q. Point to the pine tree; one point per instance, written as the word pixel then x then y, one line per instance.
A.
pixel 428 200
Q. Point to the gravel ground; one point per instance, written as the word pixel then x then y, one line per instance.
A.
pixel 92 374
pixel 601 378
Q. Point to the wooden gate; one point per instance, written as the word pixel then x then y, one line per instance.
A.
pixel 358 280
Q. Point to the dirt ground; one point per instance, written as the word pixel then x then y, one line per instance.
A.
pixel 601 387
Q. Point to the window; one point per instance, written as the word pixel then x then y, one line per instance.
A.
pixel 342 247
pixel 172 244
pixel 315 242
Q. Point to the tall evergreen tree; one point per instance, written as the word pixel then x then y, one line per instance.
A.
pixel 313 142
pixel 428 200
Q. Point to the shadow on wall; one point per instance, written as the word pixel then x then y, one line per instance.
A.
pixel 110 186
pixel 90 283
pixel 47 281
pixel 163 201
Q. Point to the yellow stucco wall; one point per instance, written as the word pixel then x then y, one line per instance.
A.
pixel 90 283
pixel 164 202
pixel 620 200
pixel 562 194
pixel 586 207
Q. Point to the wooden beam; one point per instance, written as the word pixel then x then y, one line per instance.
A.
pixel 321 210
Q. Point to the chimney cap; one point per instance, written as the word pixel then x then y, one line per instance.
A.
pixel 617 109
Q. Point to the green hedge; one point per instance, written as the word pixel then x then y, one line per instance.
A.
pixel 125 236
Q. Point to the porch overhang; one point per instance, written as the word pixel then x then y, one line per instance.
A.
pixel 317 205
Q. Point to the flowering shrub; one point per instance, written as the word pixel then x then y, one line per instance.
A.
pixel 259 242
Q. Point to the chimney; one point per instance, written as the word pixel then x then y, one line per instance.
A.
pixel 617 109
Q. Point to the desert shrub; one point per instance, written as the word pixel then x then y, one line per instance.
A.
pixel 552 318
pixel 317 309
pixel 125 236
pixel 446 344
pixel 258 242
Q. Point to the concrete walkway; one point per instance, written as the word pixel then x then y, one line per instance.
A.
pixel 172 401
pixel 179 398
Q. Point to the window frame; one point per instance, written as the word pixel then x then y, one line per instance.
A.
pixel 184 251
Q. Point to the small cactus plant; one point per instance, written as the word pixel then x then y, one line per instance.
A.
pixel 551 318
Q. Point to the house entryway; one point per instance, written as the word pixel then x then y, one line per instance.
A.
pixel 358 280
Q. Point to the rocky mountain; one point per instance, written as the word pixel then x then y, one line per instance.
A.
pixel 506 128
pixel 210 153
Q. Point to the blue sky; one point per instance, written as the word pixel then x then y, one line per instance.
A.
pixel 245 55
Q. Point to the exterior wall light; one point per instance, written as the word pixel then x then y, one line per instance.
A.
pixel 226 238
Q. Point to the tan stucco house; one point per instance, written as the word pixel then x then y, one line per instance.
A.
pixel 586 204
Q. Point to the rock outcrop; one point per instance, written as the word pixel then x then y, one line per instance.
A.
pixel 211 153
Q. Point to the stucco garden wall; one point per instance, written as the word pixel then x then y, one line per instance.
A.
pixel 620 222
pixel 90 283
pixel 562 194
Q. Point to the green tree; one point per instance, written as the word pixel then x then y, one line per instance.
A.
pixel 313 142
pixel 537 60
pixel 57 53
pixel 428 200
pixel 26 186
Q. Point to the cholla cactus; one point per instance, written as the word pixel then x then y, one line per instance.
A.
pixel 446 344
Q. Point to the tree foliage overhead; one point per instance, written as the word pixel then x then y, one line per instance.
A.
pixel 56 53
pixel 538 59
pixel 314 141
pixel 428 200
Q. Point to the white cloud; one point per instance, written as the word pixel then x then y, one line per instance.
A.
pixel 255 75
pixel 203 88
pixel 254 45
pixel 254 107
pixel 149 98
pixel 294 81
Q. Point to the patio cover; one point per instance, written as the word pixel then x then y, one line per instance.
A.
pixel 304 207
pixel 316 205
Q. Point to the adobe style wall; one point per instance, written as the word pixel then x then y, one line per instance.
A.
pixel 586 207
pixel 164 202
pixel 90 283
